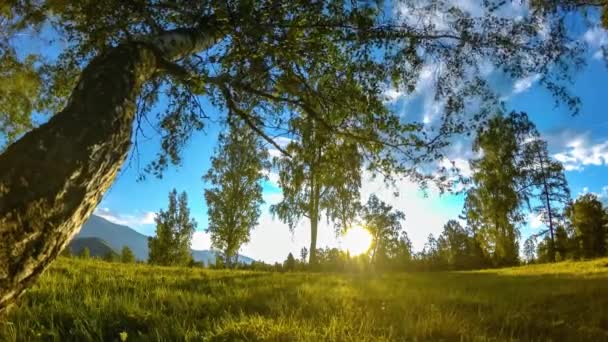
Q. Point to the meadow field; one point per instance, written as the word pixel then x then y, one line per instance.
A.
pixel 91 300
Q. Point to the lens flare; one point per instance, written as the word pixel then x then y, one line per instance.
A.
pixel 357 240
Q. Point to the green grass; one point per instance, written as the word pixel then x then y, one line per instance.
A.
pixel 93 300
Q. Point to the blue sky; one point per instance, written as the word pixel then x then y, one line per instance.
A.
pixel 581 142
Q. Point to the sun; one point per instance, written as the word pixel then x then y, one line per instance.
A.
pixel 357 240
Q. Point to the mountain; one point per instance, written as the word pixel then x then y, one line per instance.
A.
pixel 117 236
pixel 208 257
pixel 97 247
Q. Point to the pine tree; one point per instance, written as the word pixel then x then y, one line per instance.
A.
pixel 126 255
pixel 85 253
pixel 290 263
pixel 545 181
pixel 235 196
pixel 174 229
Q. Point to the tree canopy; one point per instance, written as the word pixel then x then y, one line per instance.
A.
pixel 234 200
pixel 174 229
pixel 273 62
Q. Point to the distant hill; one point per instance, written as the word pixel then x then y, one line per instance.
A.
pixel 117 236
pixel 97 247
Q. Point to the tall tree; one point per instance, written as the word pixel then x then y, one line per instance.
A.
pixel 588 218
pixel 321 175
pixel 126 255
pixel 530 249
pixel 384 224
pixel 290 263
pixel 85 253
pixel 247 57
pixel 455 246
pixel 235 196
pixel 547 183
pixel 496 200
pixel 174 229
pixel 303 255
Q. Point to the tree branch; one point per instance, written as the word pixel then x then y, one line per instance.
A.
pixel 247 118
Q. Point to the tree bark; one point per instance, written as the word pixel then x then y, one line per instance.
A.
pixel 52 179
pixel 548 207
pixel 314 221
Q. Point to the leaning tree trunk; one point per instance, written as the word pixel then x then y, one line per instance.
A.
pixel 52 179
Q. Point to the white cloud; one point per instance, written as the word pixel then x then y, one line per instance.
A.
pixel 535 220
pixel 460 163
pixel 525 83
pixel 273 197
pixel 580 151
pixel 596 37
pixel 282 142
pixel 200 241
pixel 456 169
pixel 132 220
pixel 273 152
pixel 392 95
pixel 604 192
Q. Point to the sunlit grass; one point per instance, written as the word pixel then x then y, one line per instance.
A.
pixel 92 300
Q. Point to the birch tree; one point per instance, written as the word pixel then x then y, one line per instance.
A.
pixel 124 58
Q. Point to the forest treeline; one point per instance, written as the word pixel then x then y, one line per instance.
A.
pixel 513 178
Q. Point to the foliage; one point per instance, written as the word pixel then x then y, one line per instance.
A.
pixel 18 94
pixel 589 220
pixel 126 255
pixel 530 249
pixel 174 229
pixel 303 254
pixel 320 175
pixel 514 168
pixel 459 249
pixel 111 256
pixel 389 240
pixel 88 300
pixel 290 263
pixel 235 195
pixel 545 180
pixel 85 253
pixel 219 263
pixel 494 204
pixel 330 60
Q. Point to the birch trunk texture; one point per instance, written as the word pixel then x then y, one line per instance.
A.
pixel 52 179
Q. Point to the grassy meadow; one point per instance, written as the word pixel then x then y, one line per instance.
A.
pixel 91 300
